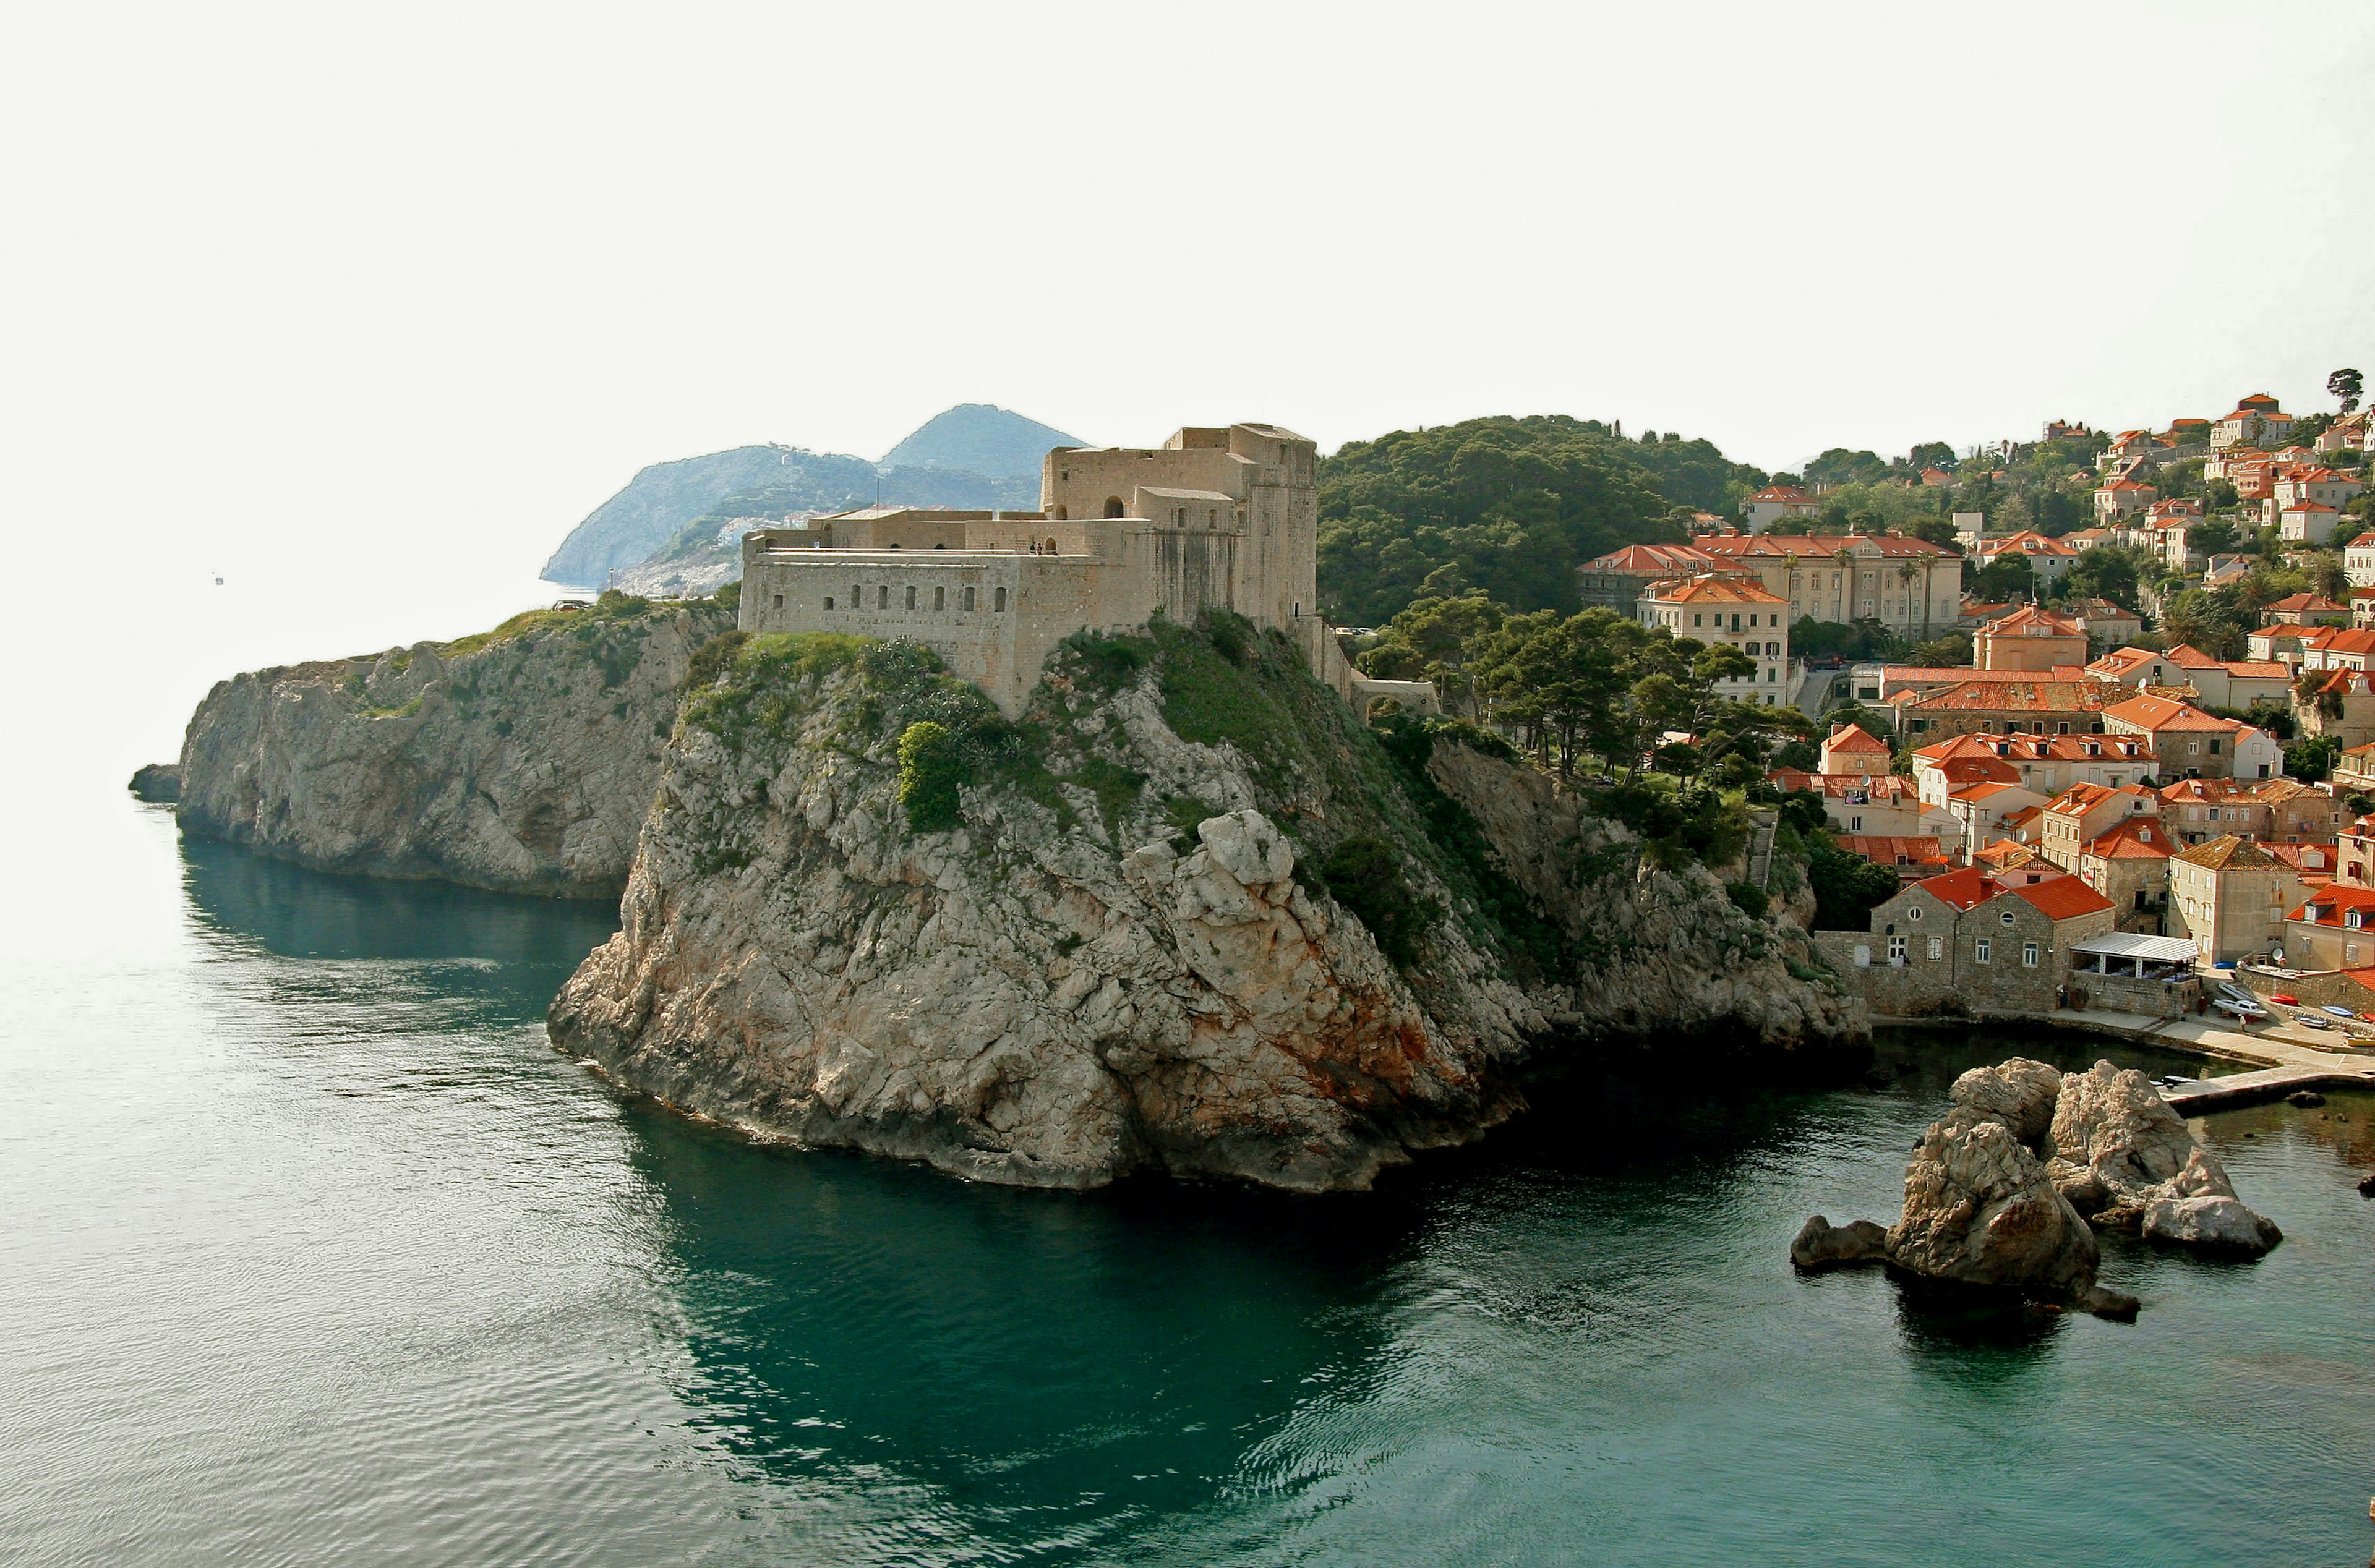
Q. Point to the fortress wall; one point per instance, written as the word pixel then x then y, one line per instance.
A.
pixel 1082 481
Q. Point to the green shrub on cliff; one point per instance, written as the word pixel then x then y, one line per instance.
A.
pixel 710 660
pixel 1364 875
pixel 930 770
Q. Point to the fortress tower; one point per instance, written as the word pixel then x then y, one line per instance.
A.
pixel 1213 519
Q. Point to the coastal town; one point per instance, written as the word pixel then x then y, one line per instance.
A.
pixel 2091 810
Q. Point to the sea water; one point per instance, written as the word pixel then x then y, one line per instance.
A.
pixel 315 1252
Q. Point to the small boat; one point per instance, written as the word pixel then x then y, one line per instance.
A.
pixel 2287 997
pixel 2338 1012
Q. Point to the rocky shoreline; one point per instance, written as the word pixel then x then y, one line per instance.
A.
pixel 520 761
pixel 1126 948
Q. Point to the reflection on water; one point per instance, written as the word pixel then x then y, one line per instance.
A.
pixel 356 1268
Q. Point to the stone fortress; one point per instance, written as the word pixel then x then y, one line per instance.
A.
pixel 1213 519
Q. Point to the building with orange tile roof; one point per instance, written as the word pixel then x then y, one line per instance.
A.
pixel 2230 896
pixel 1970 942
pixel 1911 858
pixel 1773 504
pixel 2047 558
pixel 1615 579
pixel 2075 817
pixel 2333 927
pixel 2128 864
pixel 2048 764
pixel 1735 612
pixel 2030 639
pixel 1910 586
pixel 2256 421
pixel 1850 749
pixel 2189 743
pixel 2017 706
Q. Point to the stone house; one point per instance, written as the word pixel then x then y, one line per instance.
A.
pixel 2305 609
pixel 2306 522
pixel 2104 621
pixel 2197 811
pixel 2332 928
pixel 2029 639
pixel 1987 813
pixel 2003 707
pixel 1968 942
pixel 2230 896
pixel 1852 750
pixel 2072 820
pixel 2339 703
pixel 2050 764
pixel 2229 683
pixel 2256 421
pixel 2187 742
pixel 2122 498
pixel 1880 804
pixel 2297 812
pixel 2129 865
pixel 1216 518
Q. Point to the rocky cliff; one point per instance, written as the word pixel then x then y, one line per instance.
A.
pixel 1187 914
pixel 522 760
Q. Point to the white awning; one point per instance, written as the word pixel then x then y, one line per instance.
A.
pixel 2132 945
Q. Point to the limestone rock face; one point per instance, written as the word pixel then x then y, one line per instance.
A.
pixel 2120 1155
pixel 2020 1094
pixel 1069 985
pixel 527 765
pixel 2209 1221
pixel 1979 1210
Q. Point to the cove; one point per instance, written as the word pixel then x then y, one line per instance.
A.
pixel 321 1254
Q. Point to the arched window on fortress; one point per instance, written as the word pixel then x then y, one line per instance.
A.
pixel 1000 604
pixel 1113 507
pixel 882 596
pixel 911 597
pixel 1062 513
pixel 856 596
pixel 1051 547
pixel 968 598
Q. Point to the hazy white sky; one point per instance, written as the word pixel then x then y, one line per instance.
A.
pixel 404 291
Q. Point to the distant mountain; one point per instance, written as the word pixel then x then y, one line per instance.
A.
pixel 660 501
pixel 978 438
pixel 671 529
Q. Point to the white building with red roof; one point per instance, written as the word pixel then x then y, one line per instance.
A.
pixel 2256 421
pixel 2189 743
pixel 2306 522
pixel 1774 502
pixel 1738 613
pixel 2047 558
pixel 1910 586
pixel 2122 498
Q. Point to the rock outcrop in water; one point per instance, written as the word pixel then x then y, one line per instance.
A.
pixel 2129 1163
pixel 158 783
pixel 522 760
pixel 1189 915
pixel 2002 1190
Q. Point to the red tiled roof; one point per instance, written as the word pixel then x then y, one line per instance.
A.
pixel 1807 546
pixel 1854 738
pixel 2333 901
pixel 2136 838
pixel 2157 713
pixel 1883 849
pixel 2063 898
pixel 1711 590
pixel 1650 557
pixel 2039 696
pixel 2022 619
pixel 1965 888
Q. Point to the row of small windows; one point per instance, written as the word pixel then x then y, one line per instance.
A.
pixel 857 600
pixel 1983 951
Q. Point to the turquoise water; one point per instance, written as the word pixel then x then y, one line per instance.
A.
pixel 316 1253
